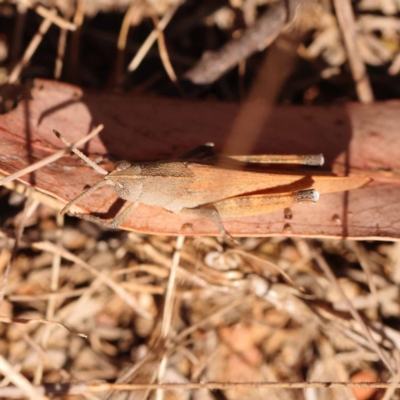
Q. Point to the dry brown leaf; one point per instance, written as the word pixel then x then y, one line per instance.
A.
pixel 359 139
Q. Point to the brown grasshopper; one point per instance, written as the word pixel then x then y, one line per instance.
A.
pixel 199 183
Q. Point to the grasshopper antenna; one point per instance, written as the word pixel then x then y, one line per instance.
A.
pixel 308 159
pixel 81 155
pixel 84 194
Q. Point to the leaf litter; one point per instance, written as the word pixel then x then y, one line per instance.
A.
pixel 190 311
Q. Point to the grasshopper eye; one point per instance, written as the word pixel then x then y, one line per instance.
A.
pixel 122 165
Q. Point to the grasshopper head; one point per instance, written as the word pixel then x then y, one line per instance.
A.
pixel 126 180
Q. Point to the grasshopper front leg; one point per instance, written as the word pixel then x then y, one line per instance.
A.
pixel 113 223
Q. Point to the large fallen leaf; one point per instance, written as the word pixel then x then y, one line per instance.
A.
pixel 355 139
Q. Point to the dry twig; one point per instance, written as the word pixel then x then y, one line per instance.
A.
pixel 347 24
pixel 255 38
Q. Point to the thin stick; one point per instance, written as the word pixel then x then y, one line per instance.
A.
pixel 152 37
pixel 27 389
pixel 254 39
pixel 101 387
pixel 160 375
pixel 51 158
pixel 7 320
pixel 348 28
pixel 30 50
pixel 52 302
pixel 62 43
pixel 54 18
pixel 390 390
pixel 60 295
pixel 18 33
pixel 168 308
pixel 169 295
pixel 79 388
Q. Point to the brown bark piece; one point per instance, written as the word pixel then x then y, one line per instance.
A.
pixel 359 139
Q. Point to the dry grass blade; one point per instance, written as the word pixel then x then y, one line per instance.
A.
pixel 76 389
pixel 132 16
pixel 118 289
pixel 51 158
pixel 169 308
pixel 26 388
pixel 171 287
pixel 153 37
pixel 62 43
pixel 82 388
pixel 101 387
pixel 46 296
pixel 55 19
pixel 30 50
pixel 51 304
pixel 40 321
pixel 346 20
pixel 164 53
pixel 43 198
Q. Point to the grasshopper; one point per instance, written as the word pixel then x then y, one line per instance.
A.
pixel 200 183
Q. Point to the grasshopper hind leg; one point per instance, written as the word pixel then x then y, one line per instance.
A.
pixel 209 211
